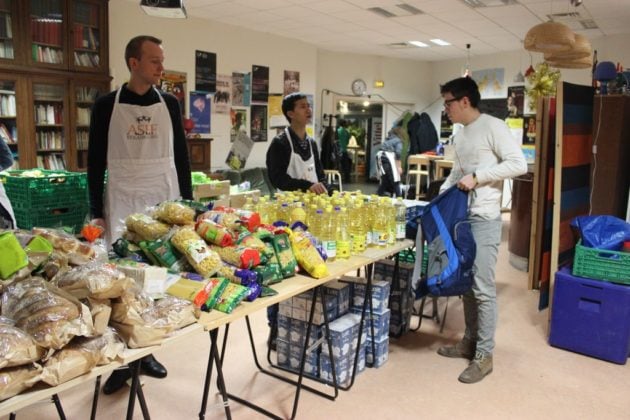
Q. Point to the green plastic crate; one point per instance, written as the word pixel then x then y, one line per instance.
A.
pixel 56 189
pixel 72 217
pixel 601 264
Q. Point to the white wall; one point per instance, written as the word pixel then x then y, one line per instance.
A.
pixel 237 50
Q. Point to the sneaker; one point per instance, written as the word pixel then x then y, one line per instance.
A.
pixel 477 369
pixel 463 349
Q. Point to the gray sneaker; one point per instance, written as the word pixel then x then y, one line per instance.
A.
pixel 477 369
pixel 463 349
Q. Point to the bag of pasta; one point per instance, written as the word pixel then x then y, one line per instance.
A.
pixel 239 256
pixel 228 220
pixel 204 260
pixel 243 277
pixel 307 255
pixel 214 233
pixel 231 297
pixel 146 227
pixel 175 213
pixel 286 259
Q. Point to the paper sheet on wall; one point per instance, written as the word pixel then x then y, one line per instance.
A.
pixel 239 152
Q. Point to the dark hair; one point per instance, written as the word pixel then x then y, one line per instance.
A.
pixel 343 123
pixel 288 103
pixel 134 47
pixel 463 86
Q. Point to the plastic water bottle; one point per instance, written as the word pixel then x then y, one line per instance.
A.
pixel 401 219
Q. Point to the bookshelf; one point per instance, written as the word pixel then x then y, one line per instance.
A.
pixel 53 65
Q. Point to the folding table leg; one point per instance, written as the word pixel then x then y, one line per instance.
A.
pixel 62 415
pixel 213 358
pixel 97 390
pixel 134 367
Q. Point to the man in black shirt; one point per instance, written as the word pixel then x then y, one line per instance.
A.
pixel 136 133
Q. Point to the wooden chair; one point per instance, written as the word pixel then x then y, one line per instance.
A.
pixel 417 166
pixel 331 176
pixel 440 168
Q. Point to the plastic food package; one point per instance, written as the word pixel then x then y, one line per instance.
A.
pixel 16 347
pixel 18 379
pixel 126 249
pixel 247 278
pixel 13 258
pixel 77 252
pixel 175 213
pixel 160 252
pixel 95 280
pixel 101 310
pixel 231 297
pixel 239 256
pixel 204 260
pixel 251 241
pixel 307 255
pixel 187 287
pixel 228 220
pixel 146 227
pixel 214 233
pixel 209 295
pixel 286 259
pixel 50 315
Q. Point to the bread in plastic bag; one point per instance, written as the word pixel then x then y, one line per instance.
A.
pixel 95 280
pixel 146 227
pixel 77 252
pixel 16 346
pixel 18 379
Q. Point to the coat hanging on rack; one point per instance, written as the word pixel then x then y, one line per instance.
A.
pixel 330 154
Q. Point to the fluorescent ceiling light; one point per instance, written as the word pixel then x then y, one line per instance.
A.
pixel 438 41
pixel 419 44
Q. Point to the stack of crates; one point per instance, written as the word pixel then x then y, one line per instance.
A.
pixel 344 333
pixel 57 199
pixel 377 351
pixel 293 317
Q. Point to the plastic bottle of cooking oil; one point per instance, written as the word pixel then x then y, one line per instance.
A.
pixel 357 228
pixel 329 235
pixel 401 219
pixel 343 236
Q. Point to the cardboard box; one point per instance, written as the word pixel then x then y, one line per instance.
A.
pixel 380 293
pixel 381 354
pixel 211 192
pixel 237 200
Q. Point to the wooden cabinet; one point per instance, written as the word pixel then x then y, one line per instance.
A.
pixel 199 152
pixel 53 65
pixel 611 135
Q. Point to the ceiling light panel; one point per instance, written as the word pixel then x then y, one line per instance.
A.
pixel 440 42
pixel 419 44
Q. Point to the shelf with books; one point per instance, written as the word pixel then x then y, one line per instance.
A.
pixel 6 30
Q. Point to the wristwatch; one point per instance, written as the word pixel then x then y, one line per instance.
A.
pixel 475 178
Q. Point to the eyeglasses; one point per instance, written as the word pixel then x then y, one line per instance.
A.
pixel 448 102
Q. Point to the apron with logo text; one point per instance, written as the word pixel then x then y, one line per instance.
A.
pixel 140 162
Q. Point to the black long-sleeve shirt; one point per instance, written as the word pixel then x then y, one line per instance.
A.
pixel 97 147
pixel 278 157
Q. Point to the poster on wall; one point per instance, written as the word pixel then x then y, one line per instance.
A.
pixel 516 100
pixel 291 81
pixel 174 82
pixel 260 84
pixel 258 127
pixel 205 71
pixel 310 129
pixel 222 97
pixel 490 82
pixel 529 130
pixel 200 112
pixel 239 152
pixel 238 118
pixel 276 117
pixel 238 88
pixel 247 91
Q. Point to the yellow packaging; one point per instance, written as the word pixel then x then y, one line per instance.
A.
pixel 306 255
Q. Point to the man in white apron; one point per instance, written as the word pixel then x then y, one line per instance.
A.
pixel 293 164
pixel 140 131
pixel 7 218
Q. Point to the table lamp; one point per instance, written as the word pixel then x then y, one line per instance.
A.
pixel 605 72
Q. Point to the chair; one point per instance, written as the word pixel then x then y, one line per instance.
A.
pixel 417 166
pixel 441 166
pixel 331 175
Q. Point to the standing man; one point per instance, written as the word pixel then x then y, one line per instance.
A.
pixel 389 165
pixel 486 153
pixel 136 133
pixel 293 158
pixel 343 135
pixel 293 164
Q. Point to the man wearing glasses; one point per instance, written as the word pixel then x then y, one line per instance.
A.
pixel 486 153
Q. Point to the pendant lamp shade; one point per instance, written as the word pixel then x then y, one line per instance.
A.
pixel 581 49
pixel 549 37
pixel 578 63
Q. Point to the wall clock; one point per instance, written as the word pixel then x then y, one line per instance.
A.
pixel 359 87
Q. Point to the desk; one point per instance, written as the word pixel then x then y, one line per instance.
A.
pixel 288 288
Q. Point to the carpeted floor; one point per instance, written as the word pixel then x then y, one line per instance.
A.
pixel 530 378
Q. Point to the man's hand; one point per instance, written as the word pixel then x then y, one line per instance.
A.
pixel 318 188
pixel 467 183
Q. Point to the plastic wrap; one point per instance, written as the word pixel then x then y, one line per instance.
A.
pixel 207 298
pixel 204 260
pixel 228 220
pixel 175 213
pixel 16 347
pixel 247 278
pixel 18 379
pixel 307 255
pixel 239 256
pixel 95 280
pixel 231 297
pixel 286 259
pixel 77 252
pixel 50 315
pixel 146 227
pixel 214 233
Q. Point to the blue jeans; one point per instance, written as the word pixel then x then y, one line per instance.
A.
pixel 480 303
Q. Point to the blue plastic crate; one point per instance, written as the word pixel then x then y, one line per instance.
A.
pixel 591 317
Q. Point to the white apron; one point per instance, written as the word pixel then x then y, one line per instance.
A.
pixel 299 168
pixel 140 162
pixel 391 156
pixel 4 201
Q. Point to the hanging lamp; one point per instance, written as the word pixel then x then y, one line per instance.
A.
pixel 581 49
pixel 467 71
pixel 549 37
pixel 578 63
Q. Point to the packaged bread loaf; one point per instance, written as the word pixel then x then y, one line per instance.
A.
pixel 50 315
pixel 18 379
pixel 16 347
pixel 77 252
pixel 146 227
pixel 204 260
pixel 175 213
pixel 95 280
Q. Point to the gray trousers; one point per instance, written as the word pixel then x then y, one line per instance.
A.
pixel 480 303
